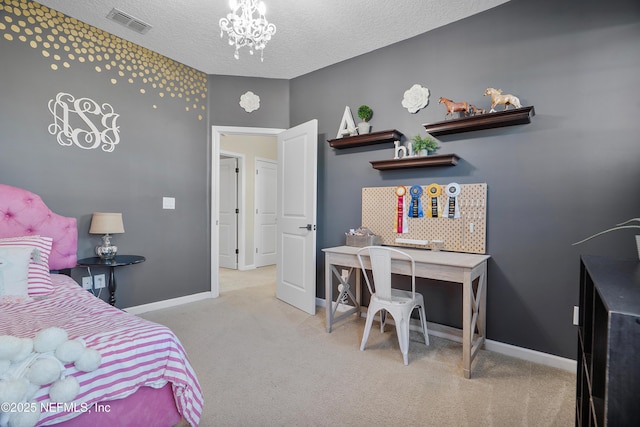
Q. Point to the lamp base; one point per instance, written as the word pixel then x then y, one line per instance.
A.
pixel 106 250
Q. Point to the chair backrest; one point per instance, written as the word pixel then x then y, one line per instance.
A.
pixel 380 258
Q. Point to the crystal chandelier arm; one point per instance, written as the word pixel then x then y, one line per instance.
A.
pixel 245 30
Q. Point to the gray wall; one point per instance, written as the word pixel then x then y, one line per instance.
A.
pixel 225 110
pixel 162 152
pixel 571 172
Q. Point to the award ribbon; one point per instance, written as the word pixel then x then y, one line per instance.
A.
pixel 433 191
pixel 400 192
pixel 415 211
pixel 453 191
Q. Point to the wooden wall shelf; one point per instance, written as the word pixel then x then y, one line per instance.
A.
pixel 417 162
pixel 366 139
pixel 517 116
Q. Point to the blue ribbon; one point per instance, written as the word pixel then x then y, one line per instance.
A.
pixel 415 210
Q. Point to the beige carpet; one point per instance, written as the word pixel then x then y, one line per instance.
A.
pixel 262 362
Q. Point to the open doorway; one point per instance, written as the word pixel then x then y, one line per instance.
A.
pixel 257 147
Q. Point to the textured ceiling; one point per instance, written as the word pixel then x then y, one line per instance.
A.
pixel 310 34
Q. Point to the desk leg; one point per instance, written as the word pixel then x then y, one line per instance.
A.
pixel 467 332
pixel 112 286
pixel 328 294
pixel 474 316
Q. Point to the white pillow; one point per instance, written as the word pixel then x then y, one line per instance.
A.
pixel 39 278
pixel 14 270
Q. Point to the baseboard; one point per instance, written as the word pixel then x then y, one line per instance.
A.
pixel 139 309
pixel 495 346
pixel 532 355
pixel 246 267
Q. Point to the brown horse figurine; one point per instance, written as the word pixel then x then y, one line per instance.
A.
pixel 498 98
pixel 454 107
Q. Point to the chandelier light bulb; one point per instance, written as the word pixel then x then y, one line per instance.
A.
pixel 243 29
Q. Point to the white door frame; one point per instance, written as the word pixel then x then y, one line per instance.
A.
pixel 216 134
pixel 241 264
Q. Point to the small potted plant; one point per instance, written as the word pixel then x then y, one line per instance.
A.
pixel 364 112
pixel 424 146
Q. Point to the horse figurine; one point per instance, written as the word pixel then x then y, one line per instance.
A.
pixel 454 107
pixel 476 110
pixel 498 98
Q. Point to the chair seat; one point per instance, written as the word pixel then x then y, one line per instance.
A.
pixel 401 297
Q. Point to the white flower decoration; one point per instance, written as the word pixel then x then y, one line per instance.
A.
pixel 415 98
pixel 250 101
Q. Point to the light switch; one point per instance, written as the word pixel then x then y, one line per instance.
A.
pixel 168 203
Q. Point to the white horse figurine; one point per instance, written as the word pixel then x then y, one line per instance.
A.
pixel 498 98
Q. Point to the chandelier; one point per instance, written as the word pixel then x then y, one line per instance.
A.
pixel 245 30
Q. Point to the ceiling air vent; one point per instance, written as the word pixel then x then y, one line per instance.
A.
pixel 128 21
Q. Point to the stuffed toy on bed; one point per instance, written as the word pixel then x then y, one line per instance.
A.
pixel 27 364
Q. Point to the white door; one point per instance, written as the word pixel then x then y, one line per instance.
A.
pixel 266 208
pixel 228 213
pixel 296 216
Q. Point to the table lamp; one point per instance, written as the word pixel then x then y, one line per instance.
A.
pixel 106 223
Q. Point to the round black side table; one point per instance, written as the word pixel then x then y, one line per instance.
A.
pixel 117 261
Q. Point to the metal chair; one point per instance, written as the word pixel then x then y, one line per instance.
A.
pixel 399 303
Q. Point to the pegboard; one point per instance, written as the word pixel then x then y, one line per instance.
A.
pixel 467 233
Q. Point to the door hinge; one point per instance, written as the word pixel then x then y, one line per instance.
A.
pixel 237 170
pixel 237 210
pixel 237 252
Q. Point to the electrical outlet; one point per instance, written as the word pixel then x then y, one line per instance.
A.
pixel 345 274
pixel 576 315
pixel 86 283
pixel 99 281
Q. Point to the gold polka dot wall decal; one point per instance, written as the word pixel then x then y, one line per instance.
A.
pixel 52 31
pixel 114 81
pixel 155 106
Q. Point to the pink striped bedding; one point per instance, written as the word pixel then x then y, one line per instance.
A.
pixel 135 352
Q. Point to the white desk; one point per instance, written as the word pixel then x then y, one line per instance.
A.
pixel 446 266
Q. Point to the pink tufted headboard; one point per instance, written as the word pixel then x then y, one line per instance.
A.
pixel 23 213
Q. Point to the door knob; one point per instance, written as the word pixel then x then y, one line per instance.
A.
pixel 309 227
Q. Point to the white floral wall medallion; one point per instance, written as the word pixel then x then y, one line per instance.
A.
pixel 250 101
pixel 416 98
pixel 84 123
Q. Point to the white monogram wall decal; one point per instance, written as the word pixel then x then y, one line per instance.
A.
pixel 83 122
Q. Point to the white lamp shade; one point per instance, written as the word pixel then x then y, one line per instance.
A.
pixel 106 223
